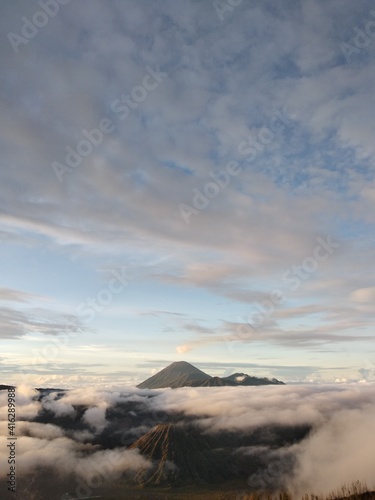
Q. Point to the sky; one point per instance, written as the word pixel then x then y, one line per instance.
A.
pixel 186 180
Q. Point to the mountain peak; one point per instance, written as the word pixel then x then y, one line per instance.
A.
pixel 181 364
pixel 177 374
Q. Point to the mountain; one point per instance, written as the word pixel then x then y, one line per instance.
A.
pixel 181 455
pixel 178 374
pixel 183 374
pixel 244 379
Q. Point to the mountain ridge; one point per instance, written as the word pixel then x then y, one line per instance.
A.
pixel 183 374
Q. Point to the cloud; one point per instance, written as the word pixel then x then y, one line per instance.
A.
pixel 315 177
pixel 95 417
pixel 11 295
pixel 16 323
pixel 58 446
pixel 58 408
pixel 38 430
pixel 67 457
pixel 366 295
pixel 225 107
pixel 337 453
pixel 183 348
pixel 264 327
pixel 26 404
pixel 337 450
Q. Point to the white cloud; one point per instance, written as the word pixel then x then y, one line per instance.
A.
pixel 95 417
pixel 183 348
pixel 366 295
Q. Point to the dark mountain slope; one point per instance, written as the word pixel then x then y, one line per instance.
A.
pixel 182 455
pixel 177 374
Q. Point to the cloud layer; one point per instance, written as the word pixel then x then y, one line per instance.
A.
pixel 338 449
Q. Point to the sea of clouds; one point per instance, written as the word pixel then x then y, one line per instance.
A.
pixel 339 449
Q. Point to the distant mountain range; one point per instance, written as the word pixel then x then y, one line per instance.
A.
pixel 183 374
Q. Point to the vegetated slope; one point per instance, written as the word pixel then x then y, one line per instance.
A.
pixel 178 374
pixel 182 455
